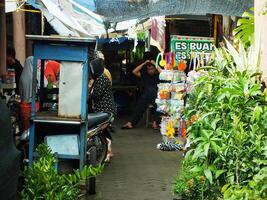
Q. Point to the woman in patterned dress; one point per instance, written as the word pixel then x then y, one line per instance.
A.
pixel 101 95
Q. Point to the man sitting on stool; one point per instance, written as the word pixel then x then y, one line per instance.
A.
pixel 150 76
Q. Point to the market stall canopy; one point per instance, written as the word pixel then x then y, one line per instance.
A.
pixel 85 17
pixel 71 17
pixel 119 10
pixel 76 17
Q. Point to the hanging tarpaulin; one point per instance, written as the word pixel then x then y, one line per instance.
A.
pixel 158 32
pixel 88 4
pixel 70 17
pixel 119 10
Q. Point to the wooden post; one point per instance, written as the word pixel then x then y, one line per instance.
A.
pixel 215 29
pixel 260 34
pixel 226 26
pixel 19 35
pixel 2 38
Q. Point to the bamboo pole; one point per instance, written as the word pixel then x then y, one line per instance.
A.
pixel 261 33
pixel 2 38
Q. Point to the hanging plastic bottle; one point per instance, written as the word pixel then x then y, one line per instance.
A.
pixel 49 87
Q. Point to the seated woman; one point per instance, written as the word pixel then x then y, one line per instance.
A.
pixel 101 94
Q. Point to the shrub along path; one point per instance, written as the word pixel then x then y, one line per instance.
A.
pixel 138 170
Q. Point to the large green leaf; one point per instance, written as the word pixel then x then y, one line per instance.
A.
pixel 208 175
pixel 245 29
pixel 219 173
pixel 206 149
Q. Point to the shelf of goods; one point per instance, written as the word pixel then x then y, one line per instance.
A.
pixel 173 90
pixel 171 103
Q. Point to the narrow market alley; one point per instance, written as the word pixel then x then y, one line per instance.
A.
pixel 138 170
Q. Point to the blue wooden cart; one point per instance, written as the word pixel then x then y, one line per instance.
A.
pixel 63 50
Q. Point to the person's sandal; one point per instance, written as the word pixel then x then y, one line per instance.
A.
pixel 109 157
pixel 126 126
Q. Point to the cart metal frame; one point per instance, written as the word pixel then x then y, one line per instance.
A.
pixel 61 49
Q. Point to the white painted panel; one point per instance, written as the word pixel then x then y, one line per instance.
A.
pixel 70 89
pixel 10 6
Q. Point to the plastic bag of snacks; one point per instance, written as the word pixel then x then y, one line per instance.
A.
pixel 166 75
pixel 178 87
pixel 177 95
pixel 170 126
pixel 176 106
pixel 164 91
pixel 163 106
pixel 178 76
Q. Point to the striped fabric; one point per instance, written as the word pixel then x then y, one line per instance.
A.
pixel 168 146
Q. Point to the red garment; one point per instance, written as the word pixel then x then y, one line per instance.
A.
pixel 25 111
pixel 52 68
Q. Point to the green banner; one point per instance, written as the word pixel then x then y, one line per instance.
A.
pixel 182 46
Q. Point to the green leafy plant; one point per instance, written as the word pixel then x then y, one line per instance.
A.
pixel 141 36
pixel 256 189
pixel 229 134
pixel 245 28
pixel 43 182
pixel 189 184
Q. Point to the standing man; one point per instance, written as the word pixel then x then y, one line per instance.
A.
pixel 13 63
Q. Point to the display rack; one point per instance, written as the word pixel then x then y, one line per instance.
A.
pixel 173 90
pixel 171 103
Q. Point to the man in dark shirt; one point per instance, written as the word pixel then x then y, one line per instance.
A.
pixel 13 63
pixel 150 76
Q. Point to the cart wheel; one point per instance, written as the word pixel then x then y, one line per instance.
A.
pixel 98 142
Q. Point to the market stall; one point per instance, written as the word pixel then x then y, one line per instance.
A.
pixel 178 74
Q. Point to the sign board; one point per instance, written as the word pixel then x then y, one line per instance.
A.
pixel 182 46
pixel 63 144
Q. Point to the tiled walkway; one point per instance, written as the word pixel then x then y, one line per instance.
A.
pixel 138 170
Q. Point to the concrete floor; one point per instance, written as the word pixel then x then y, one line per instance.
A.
pixel 138 170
